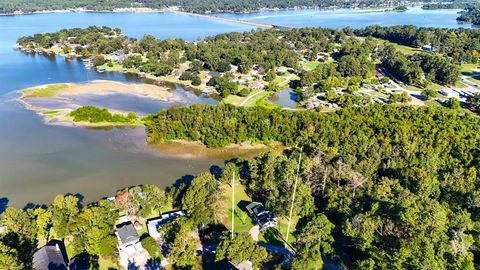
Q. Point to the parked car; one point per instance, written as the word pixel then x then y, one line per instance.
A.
pixel 263 217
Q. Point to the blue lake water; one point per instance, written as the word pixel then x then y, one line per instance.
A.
pixel 39 161
pixel 354 18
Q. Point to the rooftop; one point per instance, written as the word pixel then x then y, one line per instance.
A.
pixel 49 257
pixel 127 233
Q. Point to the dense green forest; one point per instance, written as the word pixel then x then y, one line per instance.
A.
pixel 470 14
pixel 381 187
pixel 199 6
pixel 458 4
pixel 463 45
pixel 399 183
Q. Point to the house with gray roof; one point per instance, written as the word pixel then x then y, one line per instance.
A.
pixel 127 235
pixel 49 257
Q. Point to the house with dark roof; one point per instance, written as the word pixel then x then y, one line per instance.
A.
pixel 127 236
pixel 50 257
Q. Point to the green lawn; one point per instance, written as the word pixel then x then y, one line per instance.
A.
pixel 50 112
pixel 432 103
pixel 253 101
pixel 311 65
pixel 112 67
pixel 243 223
pixel 237 100
pixel 469 68
pixel 475 80
pixel 43 91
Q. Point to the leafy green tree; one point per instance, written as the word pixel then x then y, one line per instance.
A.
pixel 9 258
pixel 196 81
pixel 307 258
pixel 201 199
pixel 151 246
pixel 183 248
pixel 270 76
pixel 429 93
pixel 317 232
pixel 239 249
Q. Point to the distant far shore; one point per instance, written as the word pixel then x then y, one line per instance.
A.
pixel 170 9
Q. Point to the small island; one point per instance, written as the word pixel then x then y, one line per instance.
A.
pixel 56 103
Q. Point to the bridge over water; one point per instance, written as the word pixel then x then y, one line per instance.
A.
pixel 213 17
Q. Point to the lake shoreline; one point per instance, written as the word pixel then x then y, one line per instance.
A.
pixel 64 93
pixel 173 9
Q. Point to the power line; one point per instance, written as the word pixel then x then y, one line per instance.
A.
pixel 233 202
pixel 293 198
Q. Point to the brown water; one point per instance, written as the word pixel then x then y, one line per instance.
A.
pixel 39 161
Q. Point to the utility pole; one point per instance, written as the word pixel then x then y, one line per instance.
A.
pixel 233 202
pixel 293 198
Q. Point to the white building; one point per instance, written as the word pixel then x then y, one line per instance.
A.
pixel 449 93
pixel 155 224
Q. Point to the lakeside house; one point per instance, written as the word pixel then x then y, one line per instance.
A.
pixel 214 74
pixel 131 253
pixel 427 48
pixel 264 218
pixel 449 93
pixel 155 224
pixel 282 69
pixel 117 56
pixel 127 236
pixel 255 85
pixel 50 257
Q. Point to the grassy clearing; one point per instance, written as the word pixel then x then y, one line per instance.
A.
pixel 106 264
pixel 112 67
pixel 264 103
pixel 233 99
pixel 243 223
pixel 475 80
pixel 50 112
pixel 432 103
pixel 46 91
pixel 276 235
pixel 237 100
pixel 460 85
pixel 311 65
pixel 469 68
pixel 253 101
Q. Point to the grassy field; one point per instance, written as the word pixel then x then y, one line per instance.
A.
pixel 311 65
pixel 43 91
pixel 468 69
pixel 475 80
pixel 252 98
pixel 243 223
pixel 432 103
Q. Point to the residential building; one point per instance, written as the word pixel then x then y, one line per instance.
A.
pixel 50 257
pixel 127 236
pixel 155 224
pixel 263 217
pixel 255 85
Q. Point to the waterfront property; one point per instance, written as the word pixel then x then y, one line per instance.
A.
pixel 131 251
pixel 264 218
pixel 155 224
pixel 50 257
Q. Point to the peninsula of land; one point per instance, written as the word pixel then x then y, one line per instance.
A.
pixel 56 102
